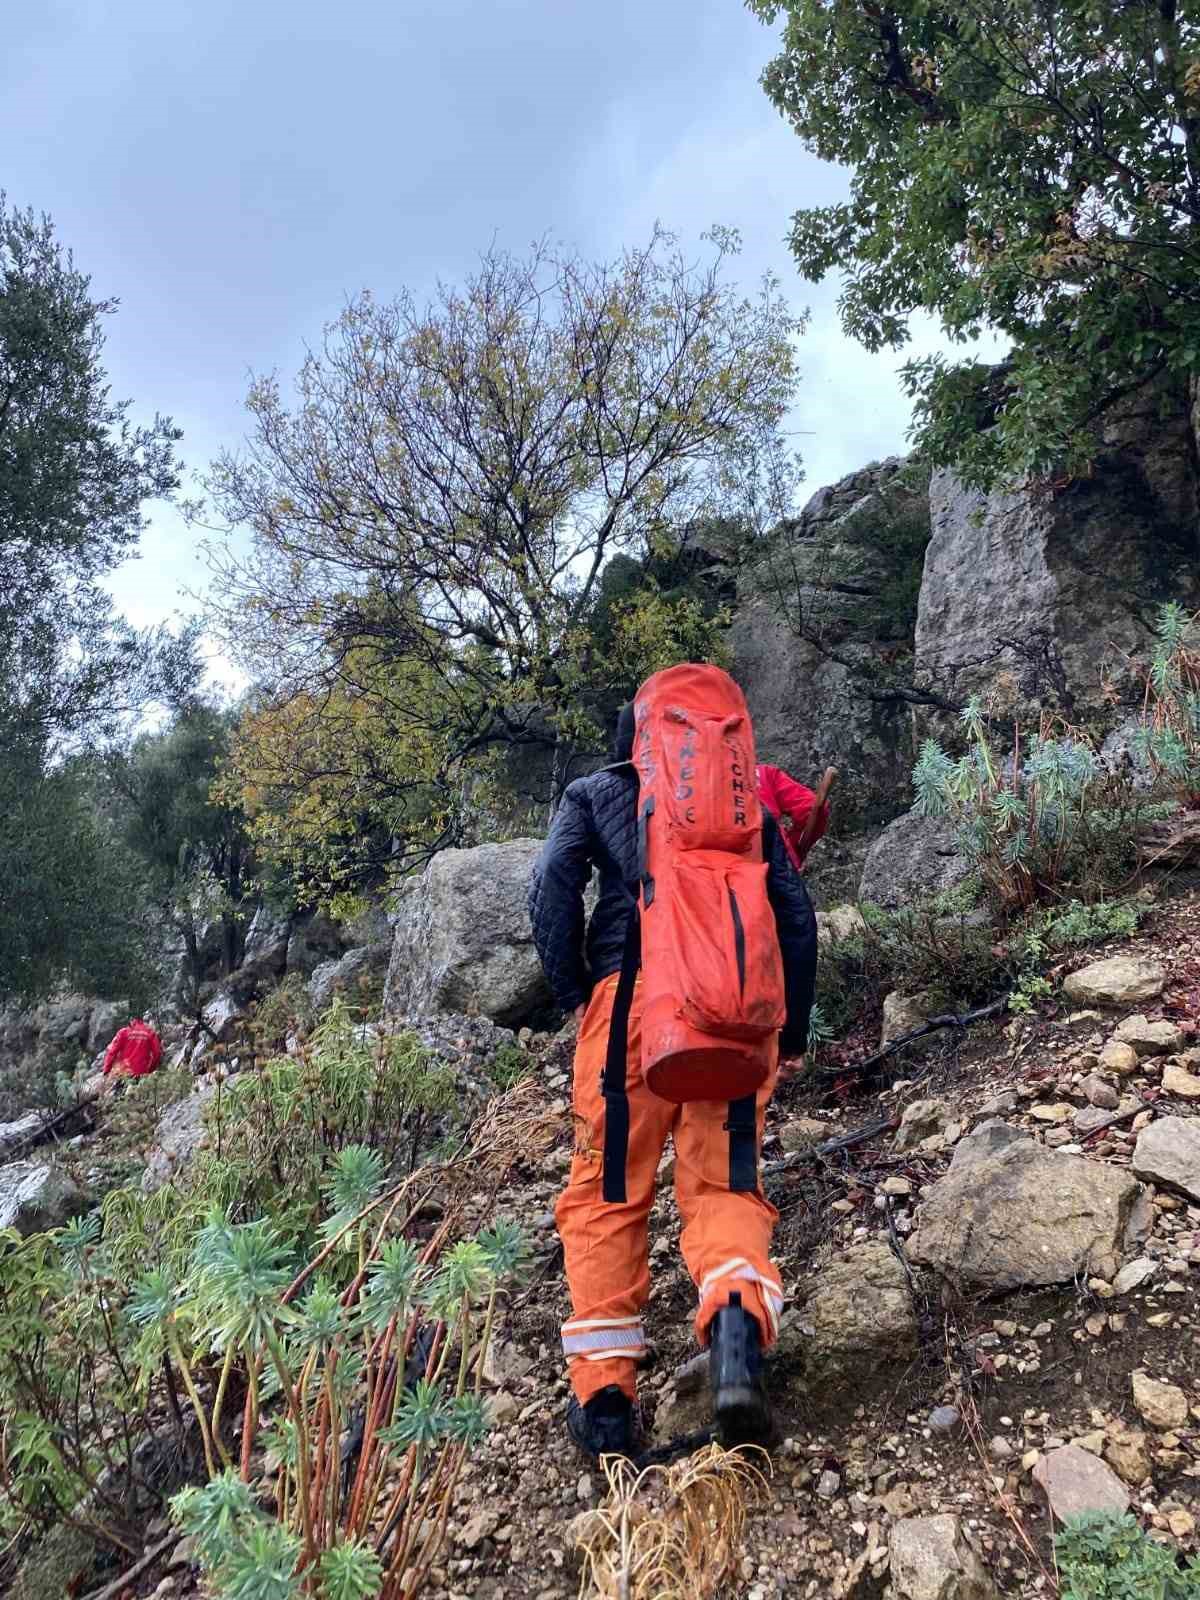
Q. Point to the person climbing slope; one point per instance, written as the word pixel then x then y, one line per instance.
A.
pixel 135 1051
pixel 640 1060
pixel 802 815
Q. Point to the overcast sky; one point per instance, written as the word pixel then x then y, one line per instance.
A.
pixel 233 171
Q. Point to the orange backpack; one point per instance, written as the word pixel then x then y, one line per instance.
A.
pixel 712 974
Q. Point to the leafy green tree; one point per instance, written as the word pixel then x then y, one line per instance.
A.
pixel 192 843
pixel 1031 166
pixel 73 901
pixel 430 519
pixel 75 473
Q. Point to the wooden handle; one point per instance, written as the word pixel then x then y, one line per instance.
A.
pixel 805 842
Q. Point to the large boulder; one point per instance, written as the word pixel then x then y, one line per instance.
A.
pixel 1041 588
pixel 1024 1216
pixel 932 1559
pixel 178 1136
pixel 821 578
pixel 912 858
pixel 463 941
pixel 856 1324
pixel 38 1195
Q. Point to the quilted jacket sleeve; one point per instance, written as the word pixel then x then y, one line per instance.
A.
pixel 797 927
pixel 556 901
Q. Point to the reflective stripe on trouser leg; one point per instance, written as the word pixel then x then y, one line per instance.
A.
pixel 602 1338
pixel 737 1271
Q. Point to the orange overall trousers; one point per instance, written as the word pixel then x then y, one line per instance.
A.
pixel 727 1220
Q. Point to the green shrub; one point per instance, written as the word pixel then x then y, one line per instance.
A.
pixel 508 1066
pixel 1169 737
pixel 1045 816
pixel 1104 1557
pixel 272 1135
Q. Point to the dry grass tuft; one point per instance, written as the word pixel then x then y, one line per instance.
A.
pixel 669 1533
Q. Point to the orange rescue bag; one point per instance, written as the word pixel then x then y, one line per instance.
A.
pixel 712 973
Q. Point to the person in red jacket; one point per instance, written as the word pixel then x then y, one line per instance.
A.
pixel 792 805
pixel 135 1051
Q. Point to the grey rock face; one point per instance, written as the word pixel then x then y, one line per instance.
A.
pixel 37 1195
pixel 1025 1216
pixel 15 1134
pixel 1080 567
pixel 313 944
pixel 856 1325
pixel 345 975
pixel 222 1015
pixel 1168 1153
pixel 462 937
pixel 932 1559
pixel 267 940
pixel 178 1136
pixel 808 710
pixel 913 857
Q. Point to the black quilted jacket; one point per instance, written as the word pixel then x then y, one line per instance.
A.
pixel 596 826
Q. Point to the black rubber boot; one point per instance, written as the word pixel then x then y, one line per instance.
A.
pixel 740 1408
pixel 604 1426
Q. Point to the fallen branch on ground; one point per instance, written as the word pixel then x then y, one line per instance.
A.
pixel 47 1130
pixel 932 1025
pixel 121 1584
pixel 830 1147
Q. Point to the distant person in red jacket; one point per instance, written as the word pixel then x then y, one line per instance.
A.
pixel 134 1053
pixel 793 807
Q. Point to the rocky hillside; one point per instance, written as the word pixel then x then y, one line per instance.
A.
pixel 993 1313
pixel 891 598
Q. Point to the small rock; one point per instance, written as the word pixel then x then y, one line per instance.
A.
pixel 1178 1081
pixel 1099 1092
pixel 1133 1274
pixel 999 1448
pixel 932 1559
pixel 585 1489
pixel 999 1106
pixel 478 1528
pixel 905 1013
pixel 1181 1523
pixel 1162 1404
pixel 1125 1450
pixel 1060 1112
pixel 1090 1118
pixel 502 1407
pixel 801 1133
pixel 1075 1481
pixel 1168 1153
pixel 1149 1038
pixel 919 1121
pixel 1118 981
pixel 1119 1058
pixel 896 1186
pixel 828 1484
pixel 944 1419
